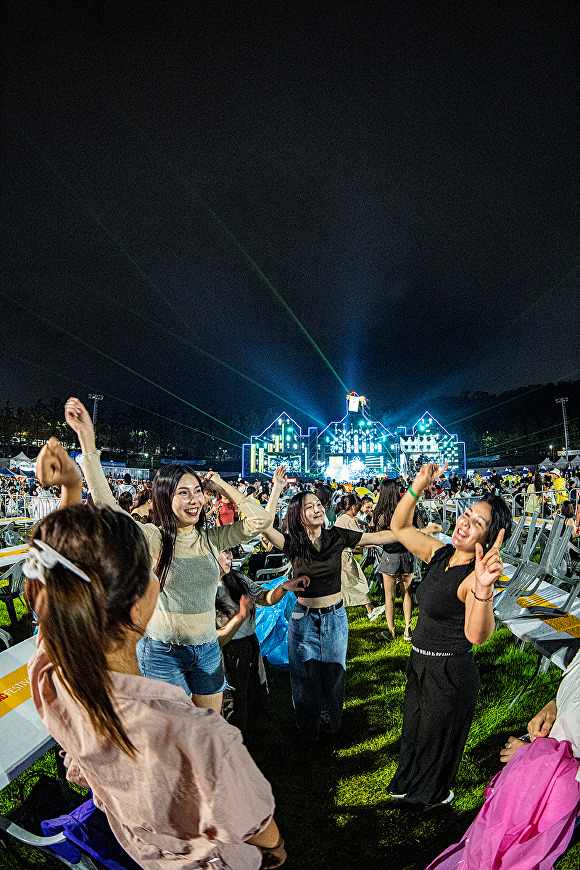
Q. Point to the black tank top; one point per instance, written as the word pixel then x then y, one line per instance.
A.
pixel 440 627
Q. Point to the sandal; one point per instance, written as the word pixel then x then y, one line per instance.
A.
pixel 274 856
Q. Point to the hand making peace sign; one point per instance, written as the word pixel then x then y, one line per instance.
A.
pixel 489 568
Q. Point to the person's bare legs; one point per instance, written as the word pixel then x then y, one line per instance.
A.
pixel 405 580
pixel 389 586
pixel 209 702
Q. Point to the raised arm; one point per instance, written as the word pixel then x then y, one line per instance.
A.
pixel 421 545
pixel 279 482
pixel 54 467
pixel 256 519
pixel 78 418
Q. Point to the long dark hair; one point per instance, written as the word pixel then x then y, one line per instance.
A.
pixel 389 498
pixel 165 483
pixel 81 621
pixel 298 544
pixel 501 518
pixel 236 585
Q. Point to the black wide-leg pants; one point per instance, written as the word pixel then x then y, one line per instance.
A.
pixel 440 699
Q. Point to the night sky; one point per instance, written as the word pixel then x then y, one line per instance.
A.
pixel 378 196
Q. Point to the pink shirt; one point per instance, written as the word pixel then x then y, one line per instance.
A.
pixel 193 791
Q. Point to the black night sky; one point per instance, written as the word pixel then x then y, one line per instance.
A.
pixel 388 190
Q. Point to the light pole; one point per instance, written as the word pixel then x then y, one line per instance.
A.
pixel 96 399
pixel 563 403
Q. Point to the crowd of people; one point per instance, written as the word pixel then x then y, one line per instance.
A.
pixel 154 674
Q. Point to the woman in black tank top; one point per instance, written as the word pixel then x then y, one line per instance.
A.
pixel 456 611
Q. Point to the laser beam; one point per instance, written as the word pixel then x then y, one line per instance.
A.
pixel 245 254
pixel 117 362
pixel 152 284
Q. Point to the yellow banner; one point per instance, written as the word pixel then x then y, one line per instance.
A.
pixel 14 690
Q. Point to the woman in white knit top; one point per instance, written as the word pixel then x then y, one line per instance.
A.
pixel 180 644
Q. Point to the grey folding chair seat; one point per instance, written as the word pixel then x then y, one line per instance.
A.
pixel 511 549
pixel 535 531
pixel 529 575
pixel 525 581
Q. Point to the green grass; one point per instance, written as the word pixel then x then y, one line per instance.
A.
pixel 332 802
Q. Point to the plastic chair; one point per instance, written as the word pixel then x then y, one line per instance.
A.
pixel 510 550
pixel 14 589
pixel 77 840
pixel 266 574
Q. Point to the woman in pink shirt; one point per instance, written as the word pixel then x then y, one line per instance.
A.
pixel 175 781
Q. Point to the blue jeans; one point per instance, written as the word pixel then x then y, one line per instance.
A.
pixel 197 669
pixel 317 644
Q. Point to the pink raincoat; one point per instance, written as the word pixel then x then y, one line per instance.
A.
pixel 528 816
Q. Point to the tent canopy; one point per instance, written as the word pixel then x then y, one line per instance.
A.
pixel 22 457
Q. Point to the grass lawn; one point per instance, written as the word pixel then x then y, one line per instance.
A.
pixel 332 802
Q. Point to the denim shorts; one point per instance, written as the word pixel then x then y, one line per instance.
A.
pixel 396 563
pixel 197 669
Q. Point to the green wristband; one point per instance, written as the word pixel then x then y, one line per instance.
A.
pixel 414 494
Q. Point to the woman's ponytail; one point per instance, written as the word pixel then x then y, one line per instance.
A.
pixel 80 621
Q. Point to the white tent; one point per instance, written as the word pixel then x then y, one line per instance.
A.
pixel 546 463
pixel 17 460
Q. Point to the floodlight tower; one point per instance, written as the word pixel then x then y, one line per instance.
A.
pixel 96 399
pixel 563 403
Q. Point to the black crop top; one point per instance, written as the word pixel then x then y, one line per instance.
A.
pixel 324 566
pixel 441 623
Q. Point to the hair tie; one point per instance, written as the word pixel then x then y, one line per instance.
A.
pixel 41 556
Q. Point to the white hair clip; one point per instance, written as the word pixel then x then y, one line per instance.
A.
pixel 41 556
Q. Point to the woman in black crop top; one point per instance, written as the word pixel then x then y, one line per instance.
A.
pixel 456 611
pixel 318 628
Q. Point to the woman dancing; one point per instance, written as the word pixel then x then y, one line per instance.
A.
pixel 318 628
pixel 180 645
pixel 455 611
pixel 176 783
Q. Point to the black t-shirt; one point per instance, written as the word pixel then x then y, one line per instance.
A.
pixel 324 566
pixel 441 623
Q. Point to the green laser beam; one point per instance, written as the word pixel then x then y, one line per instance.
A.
pixel 507 401
pixel 231 237
pixel 117 362
pixel 523 446
pixel 44 368
pixel 519 438
pixel 123 305
pixel 147 278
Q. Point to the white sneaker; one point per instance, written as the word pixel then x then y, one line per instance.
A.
pixel 375 613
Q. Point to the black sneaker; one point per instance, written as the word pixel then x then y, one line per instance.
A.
pixel 441 803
